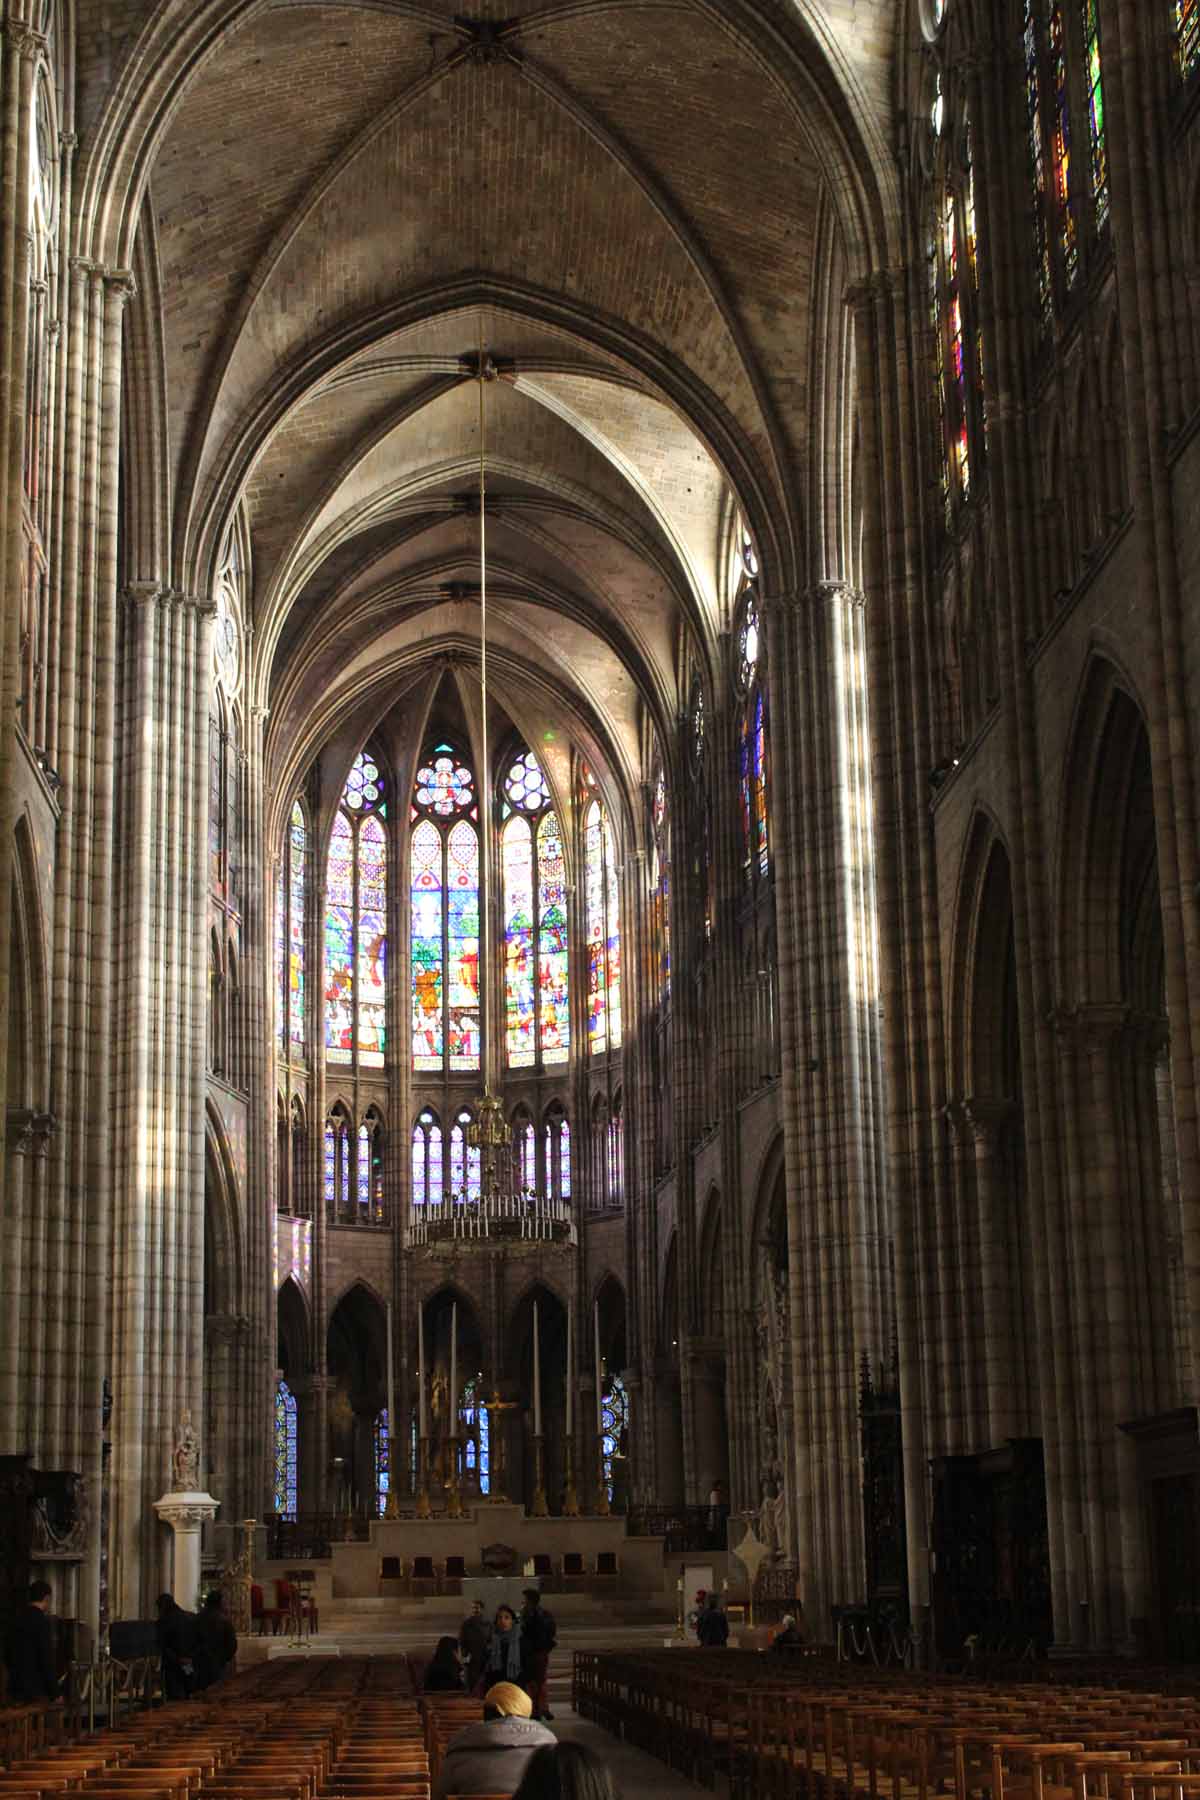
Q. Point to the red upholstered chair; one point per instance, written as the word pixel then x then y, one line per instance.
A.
pixel 263 1615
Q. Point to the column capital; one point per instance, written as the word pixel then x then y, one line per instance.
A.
pixel 1092 1026
pixel 29 1132
pixel 880 284
pixel 986 1116
pixel 186 1512
pixel 144 593
pixel 22 39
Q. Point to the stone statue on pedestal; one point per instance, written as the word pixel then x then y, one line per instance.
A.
pixel 185 1458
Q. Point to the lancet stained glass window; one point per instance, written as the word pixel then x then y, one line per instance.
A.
pixel 465 1160
pixel 1187 34
pixel 1097 136
pixel 444 892
pixel 603 932
pixel 337 1163
pixel 556 1141
pixel 660 885
pixel 285 1451
pixel 356 922
pixel 427 1160
pixel 537 1025
pixel 1037 158
pixel 383 1471
pixel 614 1426
pixel 477 1454
pixel 1060 146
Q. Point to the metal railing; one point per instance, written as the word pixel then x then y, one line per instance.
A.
pixel 108 1690
pixel 683 1528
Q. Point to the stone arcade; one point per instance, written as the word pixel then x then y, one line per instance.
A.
pixel 820 884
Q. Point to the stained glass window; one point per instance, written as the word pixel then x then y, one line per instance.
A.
pixel 427 947
pixel 382 1462
pixel 556 1144
pixel 748 644
pixel 477 1455
pixel 337 1164
pixel 1097 136
pixel 445 916
pixel 660 885
pixel 603 932
pixel 524 1150
pixel 537 1025
pixel 285 1451
pixel 368 1182
pixel 614 1426
pixel 298 869
pixel 1060 147
pixel 520 1006
pixel 960 449
pixel 427 1160
pixel 464 1162
pixel 356 923
pixel 759 759
pixel 1187 32
pixel 615 1154
pixel 281 956
pixel 525 785
pixel 1037 159
pixel 445 786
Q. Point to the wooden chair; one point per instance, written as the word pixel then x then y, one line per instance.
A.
pixel 391 1569
pixel 454 1573
pixel 422 1576
pixel 262 1614
pixel 607 1566
pixel 573 1569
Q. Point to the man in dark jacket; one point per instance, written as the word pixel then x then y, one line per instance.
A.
pixel 538 1638
pixel 29 1650
pixel 216 1642
pixel 713 1629
pixel 474 1636
pixel 491 1758
pixel 177 1648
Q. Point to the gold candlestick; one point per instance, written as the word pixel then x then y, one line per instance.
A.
pixel 539 1509
pixel 423 1507
pixel 454 1505
pixel 570 1497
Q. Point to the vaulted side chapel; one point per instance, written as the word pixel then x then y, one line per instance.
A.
pixel 599 683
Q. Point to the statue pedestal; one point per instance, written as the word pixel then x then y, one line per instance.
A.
pixel 185 1514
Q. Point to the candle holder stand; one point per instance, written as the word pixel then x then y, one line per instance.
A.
pixel 424 1510
pixel 454 1505
pixel 570 1496
pixel 539 1509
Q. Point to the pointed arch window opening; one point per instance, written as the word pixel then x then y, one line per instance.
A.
pixel 661 886
pixel 1187 36
pixel 602 906
pixel 356 922
pixel 752 747
pixel 290 958
pixel 466 1163
pixel 614 1425
pixel 427 1161
pixel 537 1024
pixel 444 923
pixel 383 1462
pixel 476 1431
pixel 337 1165
pixel 286 1444
pixel 556 1155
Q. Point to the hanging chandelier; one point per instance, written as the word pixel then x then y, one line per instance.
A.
pixel 503 1209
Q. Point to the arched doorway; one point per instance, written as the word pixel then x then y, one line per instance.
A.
pixel 355 1355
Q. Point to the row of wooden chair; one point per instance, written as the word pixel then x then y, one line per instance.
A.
pixel 432 1575
pixel 813 1731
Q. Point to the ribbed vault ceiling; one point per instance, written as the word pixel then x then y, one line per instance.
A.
pixel 622 200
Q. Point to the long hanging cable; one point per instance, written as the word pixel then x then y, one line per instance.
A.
pixel 486 784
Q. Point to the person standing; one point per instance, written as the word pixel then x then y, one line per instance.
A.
pixel 538 1638
pixel 474 1636
pixel 29 1650
pixel 177 1648
pixel 713 1628
pixel 216 1642
pixel 504 1658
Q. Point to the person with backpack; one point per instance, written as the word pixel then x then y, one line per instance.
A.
pixel 538 1638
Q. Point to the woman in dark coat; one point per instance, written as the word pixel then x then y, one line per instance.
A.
pixel 443 1672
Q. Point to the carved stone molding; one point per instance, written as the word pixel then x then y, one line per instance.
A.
pixel 22 39
pixel 29 1132
pixel 986 1117
pixel 488 40
pixel 186 1512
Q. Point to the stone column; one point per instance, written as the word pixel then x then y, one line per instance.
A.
pixel 186 1514
pixel 987 1120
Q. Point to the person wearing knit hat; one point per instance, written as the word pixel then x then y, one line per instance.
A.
pixel 507 1701
pixel 490 1758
